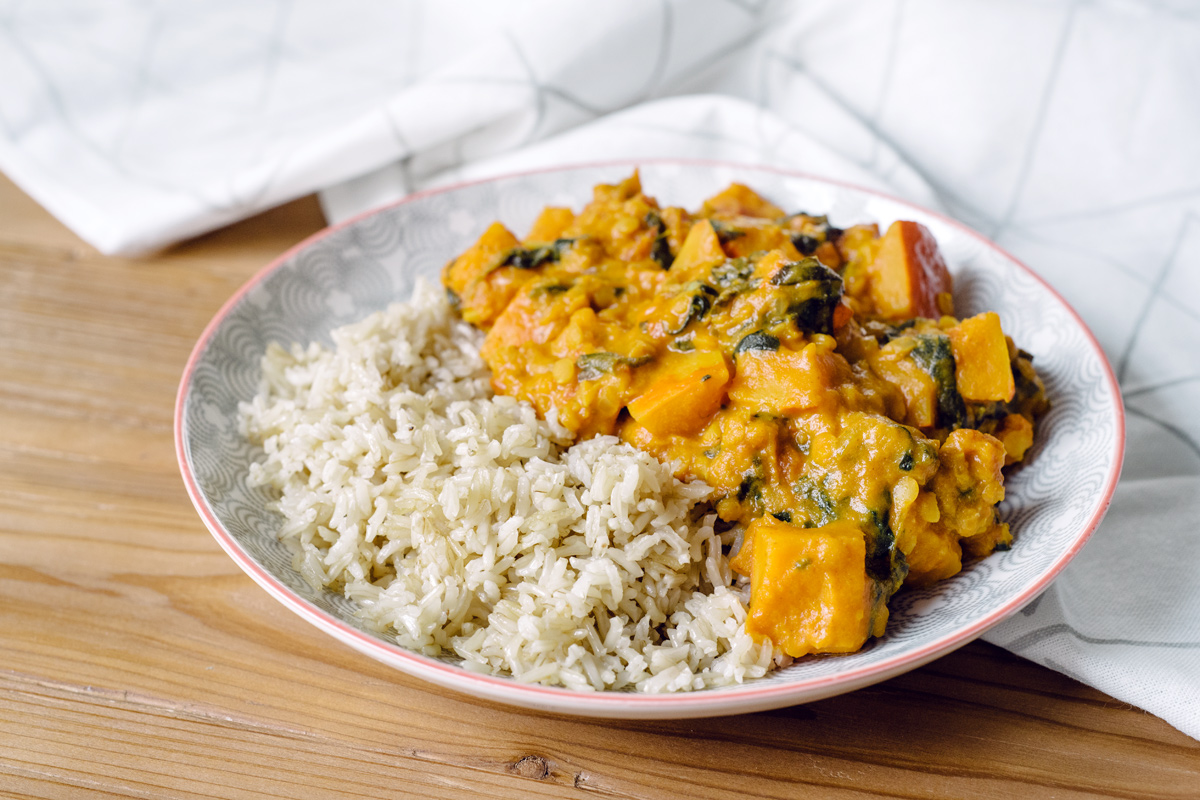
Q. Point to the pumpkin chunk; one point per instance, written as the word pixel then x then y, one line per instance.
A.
pixel 982 367
pixel 482 286
pixel 701 251
pixel 809 589
pixel 550 224
pixel 908 274
pixel 740 200
pixel 683 399
pixel 784 381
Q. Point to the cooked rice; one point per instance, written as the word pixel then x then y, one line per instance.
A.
pixel 462 524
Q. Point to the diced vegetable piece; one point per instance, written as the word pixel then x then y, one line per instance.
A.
pixel 982 367
pixel 809 591
pixel 550 224
pixel 893 363
pixel 701 251
pixel 606 193
pixel 482 295
pixel 746 236
pixel 480 257
pixel 681 400
pixel 908 274
pixel 783 381
pixel 739 200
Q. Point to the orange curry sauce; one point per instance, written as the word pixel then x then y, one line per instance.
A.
pixel 815 377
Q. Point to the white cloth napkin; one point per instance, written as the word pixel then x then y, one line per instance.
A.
pixel 1067 132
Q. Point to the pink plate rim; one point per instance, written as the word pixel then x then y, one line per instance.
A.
pixel 752 696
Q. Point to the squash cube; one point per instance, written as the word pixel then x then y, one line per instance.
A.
pixel 482 289
pixel 550 224
pixel 981 365
pixel 701 251
pixel 809 590
pixel 784 381
pixel 683 399
pixel 908 273
pixel 479 258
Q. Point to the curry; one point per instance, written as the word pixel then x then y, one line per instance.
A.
pixel 815 377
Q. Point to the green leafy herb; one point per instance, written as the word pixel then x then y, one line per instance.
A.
pixel 757 341
pixel 683 345
pixel 818 498
pixel 700 300
pixel 725 232
pixel 885 563
pixel 933 354
pixel 537 255
pixel 549 288
pixel 750 487
pixel 809 291
pixel 593 366
pixel 807 269
pixel 817 232
pixel 660 251
pixel 731 272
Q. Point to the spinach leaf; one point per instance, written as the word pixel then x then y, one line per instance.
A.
pixel 593 366
pixel 819 232
pixel 806 269
pixel 885 562
pixel 809 292
pixel 660 251
pixel 700 302
pixel 816 494
pixel 933 354
pixel 726 233
pixel 757 341
pixel 537 255
pixel 807 245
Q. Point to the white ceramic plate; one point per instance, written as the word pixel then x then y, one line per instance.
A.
pixel 1055 500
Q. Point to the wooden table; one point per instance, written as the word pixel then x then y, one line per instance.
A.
pixel 136 660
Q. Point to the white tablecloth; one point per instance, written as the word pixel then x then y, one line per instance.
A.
pixel 1069 132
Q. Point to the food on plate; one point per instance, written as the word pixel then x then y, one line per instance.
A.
pixel 851 429
pixel 650 449
pixel 464 526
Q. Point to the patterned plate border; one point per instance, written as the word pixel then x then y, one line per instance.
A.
pixel 1055 501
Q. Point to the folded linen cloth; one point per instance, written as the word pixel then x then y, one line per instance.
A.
pixel 1064 131
pixel 142 123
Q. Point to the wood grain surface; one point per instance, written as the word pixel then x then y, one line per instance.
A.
pixel 136 660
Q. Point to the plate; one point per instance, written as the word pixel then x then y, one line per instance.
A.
pixel 1055 499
